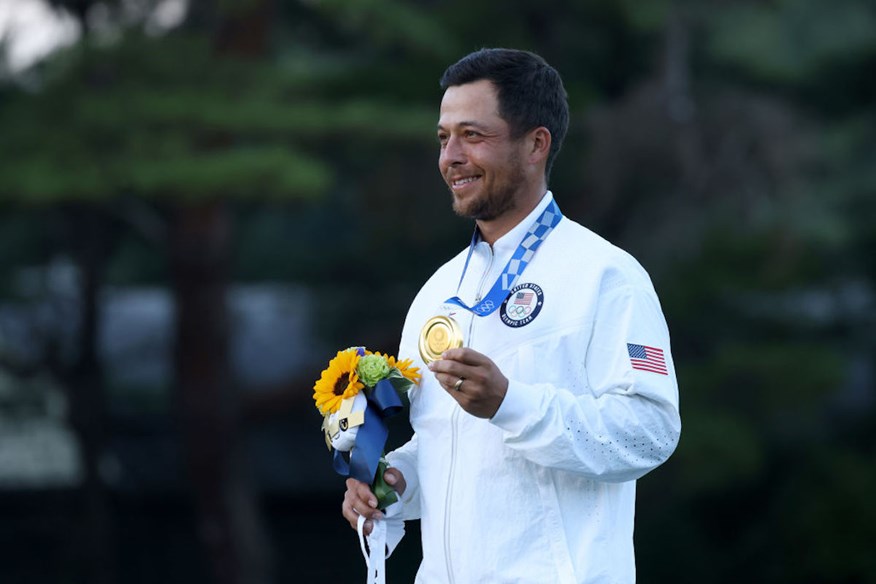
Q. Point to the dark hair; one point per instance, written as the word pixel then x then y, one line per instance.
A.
pixel 530 92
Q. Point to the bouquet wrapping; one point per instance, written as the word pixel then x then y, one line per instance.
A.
pixel 355 394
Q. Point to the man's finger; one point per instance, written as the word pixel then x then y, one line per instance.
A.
pixel 465 356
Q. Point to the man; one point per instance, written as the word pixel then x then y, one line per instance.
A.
pixel 529 438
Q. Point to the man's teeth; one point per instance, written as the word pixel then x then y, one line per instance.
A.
pixel 464 181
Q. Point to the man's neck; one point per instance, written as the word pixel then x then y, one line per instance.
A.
pixel 494 229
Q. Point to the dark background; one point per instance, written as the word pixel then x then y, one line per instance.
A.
pixel 195 215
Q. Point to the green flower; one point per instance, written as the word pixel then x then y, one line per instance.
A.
pixel 372 368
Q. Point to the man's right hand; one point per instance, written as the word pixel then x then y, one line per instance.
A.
pixel 359 500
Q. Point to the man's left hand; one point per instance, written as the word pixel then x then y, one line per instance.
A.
pixel 483 386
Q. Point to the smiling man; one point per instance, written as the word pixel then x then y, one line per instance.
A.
pixel 553 388
pixel 482 165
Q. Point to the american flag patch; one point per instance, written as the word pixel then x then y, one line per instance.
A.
pixel 647 359
pixel 523 298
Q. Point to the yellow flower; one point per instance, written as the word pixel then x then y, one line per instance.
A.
pixel 337 382
pixel 404 367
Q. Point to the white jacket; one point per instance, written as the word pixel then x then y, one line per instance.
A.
pixel 544 492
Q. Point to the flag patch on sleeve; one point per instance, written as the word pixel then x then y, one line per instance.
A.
pixel 647 358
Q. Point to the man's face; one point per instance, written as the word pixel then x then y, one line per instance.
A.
pixel 479 161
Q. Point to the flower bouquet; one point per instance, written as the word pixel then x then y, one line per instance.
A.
pixel 355 394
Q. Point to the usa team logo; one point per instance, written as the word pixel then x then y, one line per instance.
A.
pixel 523 304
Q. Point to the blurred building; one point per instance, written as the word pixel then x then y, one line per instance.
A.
pixel 271 345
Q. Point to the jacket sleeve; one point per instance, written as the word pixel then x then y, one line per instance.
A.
pixel 606 420
pixel 404 458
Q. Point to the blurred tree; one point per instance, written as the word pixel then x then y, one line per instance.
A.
pixel 184 124
pixel 88 236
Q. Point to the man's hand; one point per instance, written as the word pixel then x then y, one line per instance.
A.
pixel 359 500
pixel 483 386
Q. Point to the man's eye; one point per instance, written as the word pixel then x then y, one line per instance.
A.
pixel 471 134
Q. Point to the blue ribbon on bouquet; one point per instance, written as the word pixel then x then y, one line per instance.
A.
pixel 383 402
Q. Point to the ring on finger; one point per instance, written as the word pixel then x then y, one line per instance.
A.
pixel 458 385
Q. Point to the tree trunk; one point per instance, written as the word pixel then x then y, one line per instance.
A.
pixel 228 516
pixel 90 238
pixel 230 521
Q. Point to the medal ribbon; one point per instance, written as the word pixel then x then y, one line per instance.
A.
pixel 537 233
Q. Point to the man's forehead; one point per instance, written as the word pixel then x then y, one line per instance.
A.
pixel 472 104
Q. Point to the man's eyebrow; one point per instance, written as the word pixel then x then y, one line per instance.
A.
pixel 467 124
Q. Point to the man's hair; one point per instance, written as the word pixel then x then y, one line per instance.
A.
pixel 530 92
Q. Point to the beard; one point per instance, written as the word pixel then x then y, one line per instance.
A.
pixel 493 203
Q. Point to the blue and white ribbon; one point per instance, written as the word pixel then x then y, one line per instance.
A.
pixel 535 236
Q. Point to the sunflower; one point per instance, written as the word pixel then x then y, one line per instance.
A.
pixel 338 382
pixel 404 367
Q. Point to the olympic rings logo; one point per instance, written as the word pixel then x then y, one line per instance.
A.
pixel 518 312
pixel 485 306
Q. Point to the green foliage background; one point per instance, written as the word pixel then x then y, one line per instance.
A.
pixel 730 146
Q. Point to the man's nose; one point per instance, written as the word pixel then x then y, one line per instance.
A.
pixel 453 152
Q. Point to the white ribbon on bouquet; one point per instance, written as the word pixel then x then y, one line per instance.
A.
pixel 383 539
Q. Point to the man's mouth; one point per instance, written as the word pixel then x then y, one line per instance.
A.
pixel 459 183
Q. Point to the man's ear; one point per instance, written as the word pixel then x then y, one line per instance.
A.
pixel 539 144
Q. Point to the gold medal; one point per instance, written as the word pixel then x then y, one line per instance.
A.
pixel 439 334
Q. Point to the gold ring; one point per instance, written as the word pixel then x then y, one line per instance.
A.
pixel 458 384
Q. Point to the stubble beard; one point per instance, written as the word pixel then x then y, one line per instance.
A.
pixel 494 203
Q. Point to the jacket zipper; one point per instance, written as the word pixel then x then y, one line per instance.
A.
pixel 448 501
pixel 454 429
pixel 479 295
